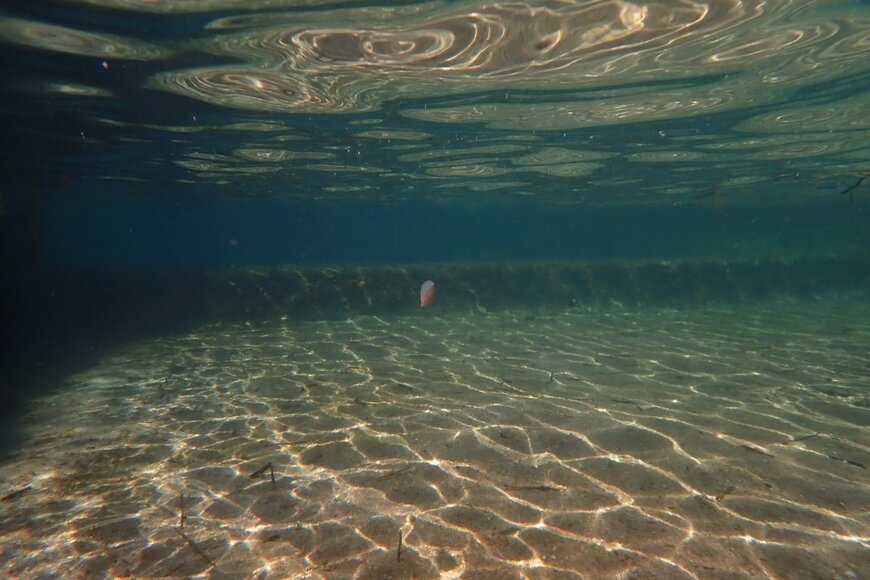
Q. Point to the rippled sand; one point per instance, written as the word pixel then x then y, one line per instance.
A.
pixel 713 442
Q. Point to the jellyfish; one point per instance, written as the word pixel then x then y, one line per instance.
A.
pixel 427 293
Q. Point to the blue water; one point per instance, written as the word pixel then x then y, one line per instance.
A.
pixel 116 233
pixel 720 143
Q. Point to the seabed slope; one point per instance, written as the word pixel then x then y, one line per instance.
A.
pixel 711 442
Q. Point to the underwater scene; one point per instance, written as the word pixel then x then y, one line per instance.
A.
pixel 534 289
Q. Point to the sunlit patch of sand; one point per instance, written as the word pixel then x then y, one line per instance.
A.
pixel 711 442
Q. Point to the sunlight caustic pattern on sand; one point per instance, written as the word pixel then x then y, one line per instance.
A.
pixel 711 442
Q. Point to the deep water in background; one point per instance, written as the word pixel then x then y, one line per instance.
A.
pixel 105 232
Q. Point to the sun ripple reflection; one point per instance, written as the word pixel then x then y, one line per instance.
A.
pixel 653 443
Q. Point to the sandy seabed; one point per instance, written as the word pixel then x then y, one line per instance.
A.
pixel 710 442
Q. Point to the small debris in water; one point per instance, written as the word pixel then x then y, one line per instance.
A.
pixel 728 491
pixel 262 470
pixel 758 450
pixel 15 494
pixel 855 186
pixel 804 438
pixel 197 550
pixel 848 461
pixel 394 473
pixel 533 487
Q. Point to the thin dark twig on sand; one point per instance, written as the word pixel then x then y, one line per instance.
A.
pixel 15 494
pixel 399 549
pixel 848 461
pixel 394 473
pixel 627 402
pixel 757 450
pixel 197 550
pixel 803 438
pixel 532 487
pixel 728 491
pixel 182 515
pixel 262 470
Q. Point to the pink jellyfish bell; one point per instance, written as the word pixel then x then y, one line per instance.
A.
pixel 427 294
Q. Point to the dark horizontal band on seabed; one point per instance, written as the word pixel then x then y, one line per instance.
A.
pixel 62 321
pixel 234 295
